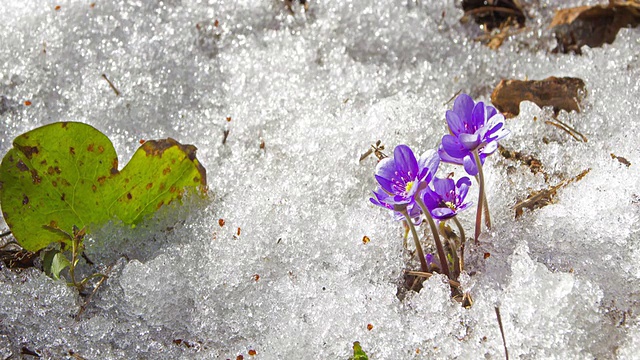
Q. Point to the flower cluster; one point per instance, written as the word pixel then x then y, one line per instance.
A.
pixel 475 128
pixel 409 187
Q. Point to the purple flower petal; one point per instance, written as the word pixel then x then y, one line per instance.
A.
pixel 494 129
pixel 431 199
pixel 470 165
pixel 470 141
pixel 387 185
pixel 405 161
pixel 415 213
pixel 442 186
pixel 463 185
pixel 428 165
pixel 386 168
pixel 448 158
pixel 463 181
pixel 478 116
pixel 453 147
pixel 474 127
pixel 464 206
pixel 455 123
pixel 445 198
pixel 463 107
pixel 378 203
pixel 381 198
pixel 430 258
pixel 488 149
pixel 442 213
pixel 400 200
pixel 491 111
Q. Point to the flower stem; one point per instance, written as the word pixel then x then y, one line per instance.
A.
pixel 480 195
pixel 423 261
pixel 453 249
pixel 487 217
pixel 444 264
pixel 462 242
pixel 74 259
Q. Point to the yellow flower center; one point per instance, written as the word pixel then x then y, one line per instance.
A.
pixel 409 186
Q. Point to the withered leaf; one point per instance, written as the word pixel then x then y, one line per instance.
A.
pixel 593 25
pixel 533 163
pixel 16 257
pixel 620 159
pixel 562 93
pixel 541 198
pixel 493 15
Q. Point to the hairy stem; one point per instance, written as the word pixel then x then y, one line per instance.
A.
pixel 480 195
pixel 453 250
pixel 72 266
pixel 462 242
pixel 444 264
pixel 423 261
pixel 487 216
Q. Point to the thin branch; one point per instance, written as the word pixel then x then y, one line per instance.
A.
pixel 453 97
pixel 504 341
pixel 111 85
pixel 568 129
pixel 428 275
pixel 488 9
pixel 88 300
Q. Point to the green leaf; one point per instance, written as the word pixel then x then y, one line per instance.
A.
pixel 358 353
pixel 54 262
pixel 66 174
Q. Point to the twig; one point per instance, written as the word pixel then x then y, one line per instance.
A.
pixel 453 97
pixel 544 197
pixel 428 275
pixel 568 129
pixel 225 135
pixel 76 356
pixel 111 85
pixel 86 258
pixel 86 302
pixel 504 341
pixel 487 9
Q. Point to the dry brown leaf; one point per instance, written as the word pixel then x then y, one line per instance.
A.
pixel 593 25
pixel 567 16
pixel 492 14
pixel 541 198
pixel 496 37
pixel 561 93
pixel 621 160
pixel 533 163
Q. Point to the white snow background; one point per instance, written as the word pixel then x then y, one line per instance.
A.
pixel 319 88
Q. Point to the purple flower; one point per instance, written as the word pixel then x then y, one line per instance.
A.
pixel 473 126
pixel 433 264
pixel 402 176
pixel 385 200
pixel 444 200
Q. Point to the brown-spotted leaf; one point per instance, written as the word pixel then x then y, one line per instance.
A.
pixel 66 174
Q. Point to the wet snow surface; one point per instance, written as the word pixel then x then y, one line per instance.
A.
pixel 318 89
